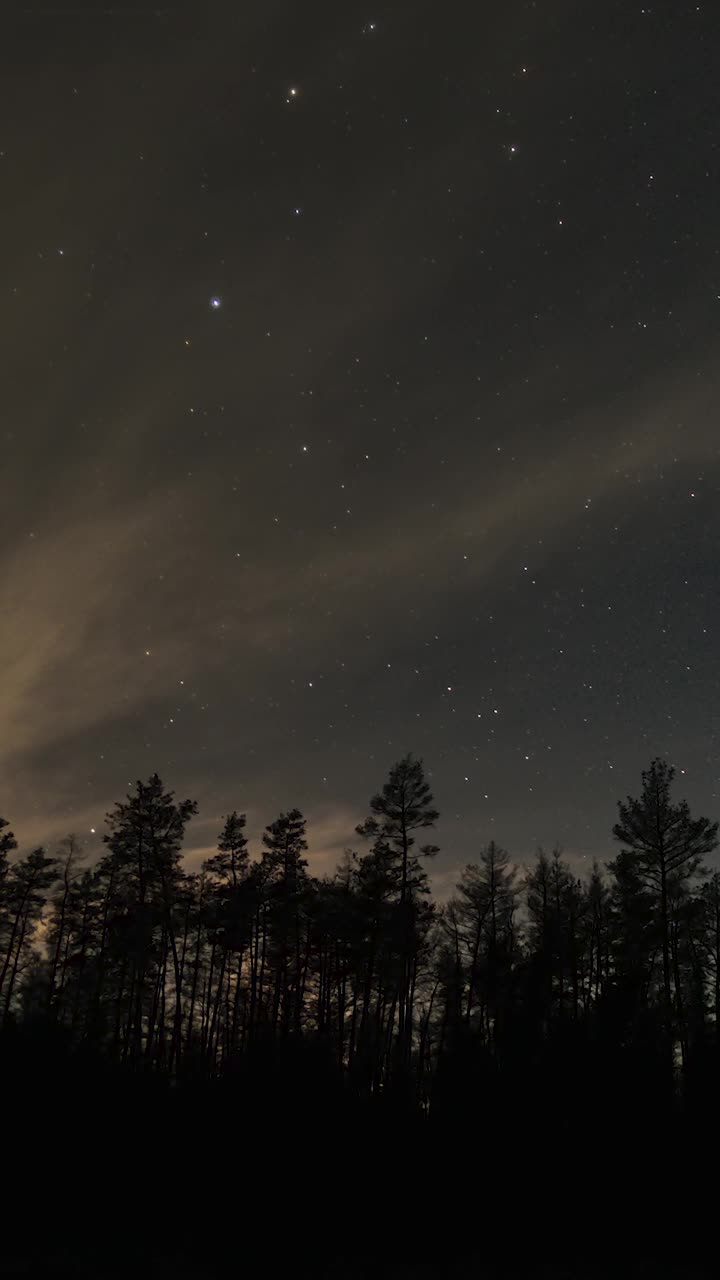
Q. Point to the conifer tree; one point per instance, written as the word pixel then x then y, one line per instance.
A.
pixel 665 846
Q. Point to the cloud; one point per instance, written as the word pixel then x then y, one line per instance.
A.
pixel 96 587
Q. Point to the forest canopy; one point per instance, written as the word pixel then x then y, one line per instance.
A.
pixel 174 970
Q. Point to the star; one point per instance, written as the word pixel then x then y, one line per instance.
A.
pixel 215 303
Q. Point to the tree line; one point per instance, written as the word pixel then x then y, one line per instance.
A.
pixel 186 973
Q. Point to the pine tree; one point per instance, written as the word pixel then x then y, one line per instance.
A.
pixel 403 807
pixel 285 883
pixel 230 907
pixel 372 898
pixel 710 901
pixel 597 933
pixel 230 864
pixel 144 839
pixel 27 882
pixel 482 920
pixel 8 844
pixel 555 904
pixel 58 939
pixel 665 846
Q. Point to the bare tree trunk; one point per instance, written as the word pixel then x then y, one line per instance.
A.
pixel 353 1024
pixel 194 986
pixel 58 944
pixel 679 1004
pixel 473 962
pixel 216 1006
pixel 16 962
pixel 263 960
pixel 664 925
pixel 155 1003
pixel 13 935
pixel 206 1002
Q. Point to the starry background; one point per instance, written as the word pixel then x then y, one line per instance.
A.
pixel 360 391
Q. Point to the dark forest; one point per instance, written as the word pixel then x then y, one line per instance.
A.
pixel 246 1064
pixel 360 397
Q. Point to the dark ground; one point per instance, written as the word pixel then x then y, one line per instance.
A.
pixel 109 1176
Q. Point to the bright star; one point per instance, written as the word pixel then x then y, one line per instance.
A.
pixel 216 303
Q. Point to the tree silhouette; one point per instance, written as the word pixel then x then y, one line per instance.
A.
pixel 25 887
pixel 285 884
pixel 229 912
pixel 59 932
pixel 295 1015
pixel 144 838
pixel 554 905
pixel 404 806
pixel 481 920
pixel 666 847
pixel 597 928
pixel 710 941
pixel 230 863
pixel 8 844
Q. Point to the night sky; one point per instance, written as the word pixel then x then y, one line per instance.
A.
pixel 359 396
